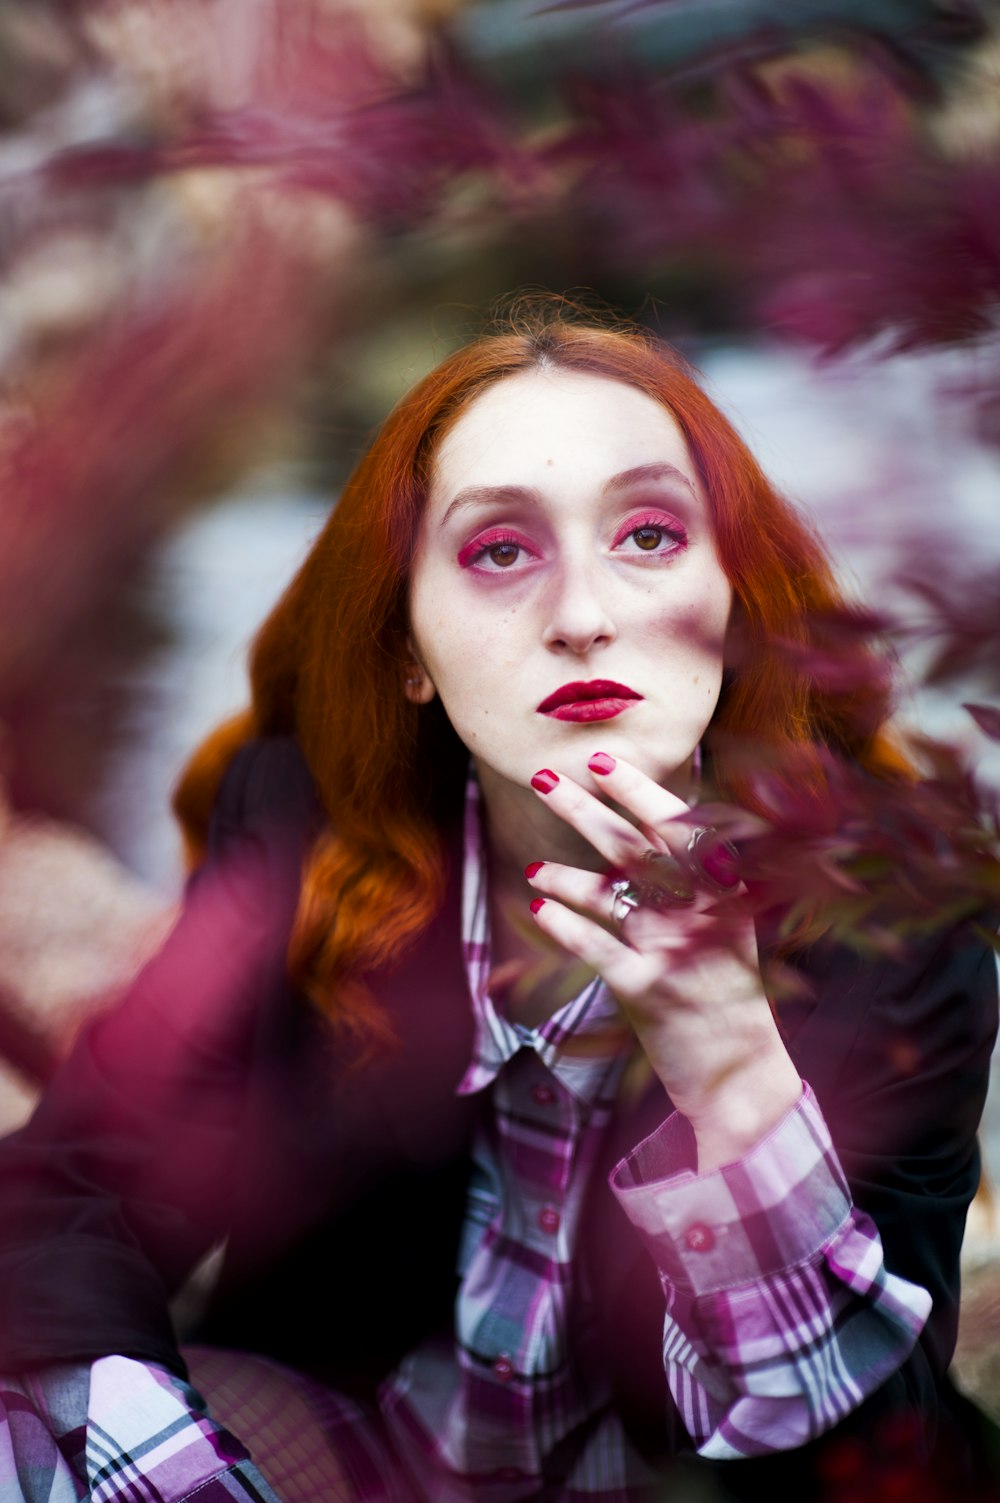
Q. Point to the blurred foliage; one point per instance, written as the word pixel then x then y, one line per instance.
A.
pixel 717 167
pixel 231 231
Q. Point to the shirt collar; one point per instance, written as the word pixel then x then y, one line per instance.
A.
pixel 496 1039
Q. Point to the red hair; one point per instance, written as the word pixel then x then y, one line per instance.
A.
pixel 328 663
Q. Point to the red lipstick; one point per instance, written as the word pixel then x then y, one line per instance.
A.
pixel 598 699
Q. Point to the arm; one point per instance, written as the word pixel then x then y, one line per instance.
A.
pixel 780 1315
pixel 900 1053
pixel 122 1178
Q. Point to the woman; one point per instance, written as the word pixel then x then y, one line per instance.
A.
pixel 541 1194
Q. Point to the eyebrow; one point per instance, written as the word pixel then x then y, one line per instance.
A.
pixel 481 495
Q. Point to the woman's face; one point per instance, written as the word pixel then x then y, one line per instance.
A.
pixel 566 596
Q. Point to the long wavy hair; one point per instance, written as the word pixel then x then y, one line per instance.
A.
pixel 328 664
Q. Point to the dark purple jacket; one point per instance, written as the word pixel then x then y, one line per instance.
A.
pixel 214 1101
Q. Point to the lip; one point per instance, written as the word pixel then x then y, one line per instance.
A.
pixel 597 699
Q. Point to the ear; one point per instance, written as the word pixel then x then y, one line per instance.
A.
pixel 417 683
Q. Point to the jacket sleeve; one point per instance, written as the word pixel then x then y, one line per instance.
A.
pixel 903 1092
pixel 123 1177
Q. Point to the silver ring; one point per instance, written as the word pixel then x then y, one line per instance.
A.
pixel 666 882
pixel 626 897
pixel 705 846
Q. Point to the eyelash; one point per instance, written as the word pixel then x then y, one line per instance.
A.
pixel 471 554
pixel 655 522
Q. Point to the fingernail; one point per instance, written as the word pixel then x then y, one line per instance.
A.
pixel 544 781
pixel 536 903
pixel 533 867
pixel 601 762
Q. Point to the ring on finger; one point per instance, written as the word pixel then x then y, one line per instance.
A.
pixel 625 897
pixel 667 889
pixel 666 881
pixel 712 860
pixel 709 861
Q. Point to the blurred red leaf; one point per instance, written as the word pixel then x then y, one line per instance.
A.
pixel 987 717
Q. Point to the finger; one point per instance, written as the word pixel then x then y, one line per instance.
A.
pixel 665 818
pixel 664 928
pixel 672 825
pixel 610 833
pixel 627 973
pixel 590 893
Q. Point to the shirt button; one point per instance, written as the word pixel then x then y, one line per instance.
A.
pixel 548 1219
pixel 543 1094
pixel 503 1368
pixel 699 1237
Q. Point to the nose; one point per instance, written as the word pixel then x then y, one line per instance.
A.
pixel 578 609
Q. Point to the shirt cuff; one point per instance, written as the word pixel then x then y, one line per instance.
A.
pixel 773 1209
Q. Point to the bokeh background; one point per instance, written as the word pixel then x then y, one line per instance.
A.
pixel 233 232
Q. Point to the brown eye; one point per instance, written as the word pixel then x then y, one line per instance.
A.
pixel 504 553
pixel 648 538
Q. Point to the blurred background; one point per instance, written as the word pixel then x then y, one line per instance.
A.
pixel 234 232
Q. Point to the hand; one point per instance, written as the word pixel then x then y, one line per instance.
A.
pixel 686 976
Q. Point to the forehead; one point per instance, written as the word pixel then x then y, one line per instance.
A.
pixel 561 423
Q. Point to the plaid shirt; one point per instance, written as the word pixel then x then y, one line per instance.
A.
pixel 780 1316
pixel 117 1431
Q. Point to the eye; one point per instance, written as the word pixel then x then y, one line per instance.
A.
pixel 647 538
pixel 494 552
pixel 656 534
pixel 503 553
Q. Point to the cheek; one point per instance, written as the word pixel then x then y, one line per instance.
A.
pixel 470 661
pixel 694 618
pixel 432 626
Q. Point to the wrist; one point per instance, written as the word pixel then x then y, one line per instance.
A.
pixel 746 1105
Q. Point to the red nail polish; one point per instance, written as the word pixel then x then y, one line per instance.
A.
pixel 601 762
pixel 544 781
pixel 536 903
pixel 533 867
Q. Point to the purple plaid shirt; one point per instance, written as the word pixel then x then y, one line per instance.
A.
pixel 117 1431
pixel 780 1316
